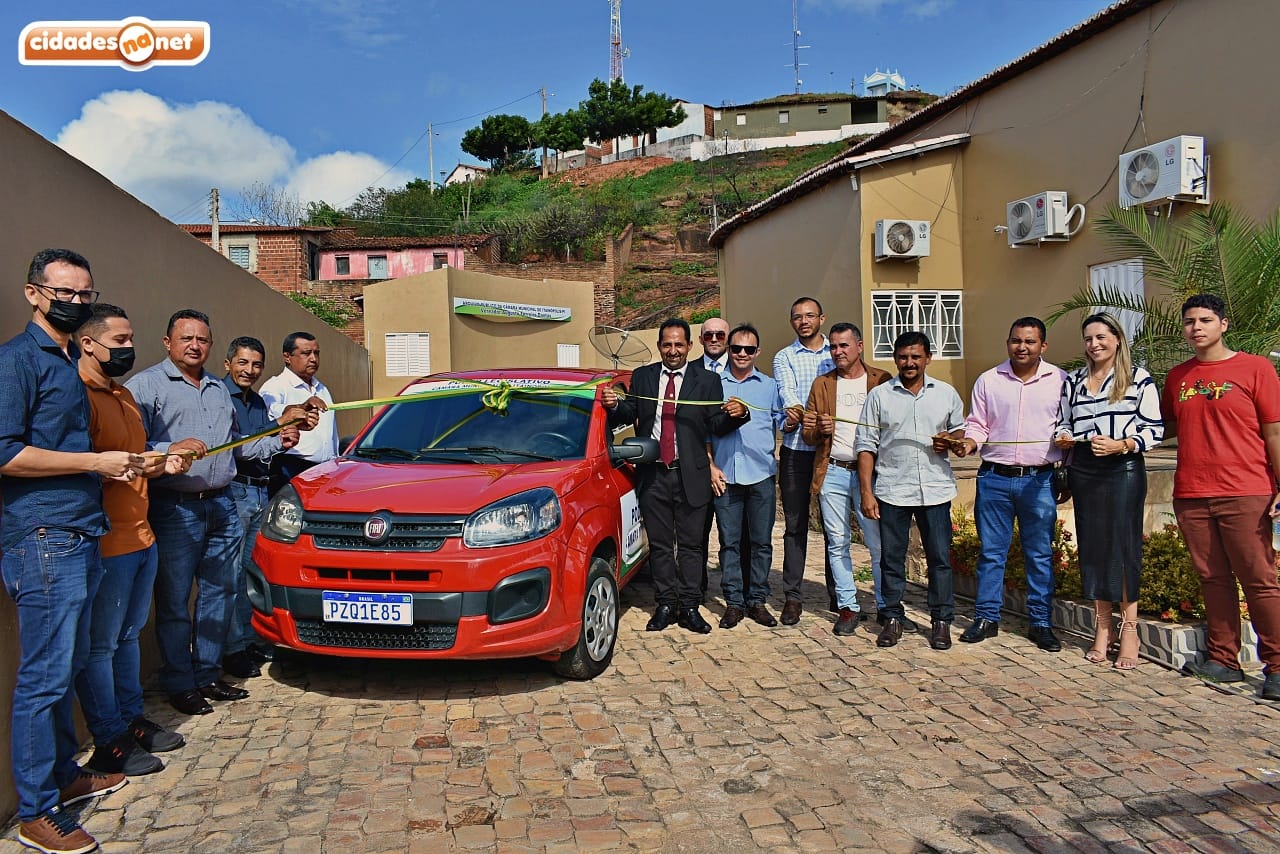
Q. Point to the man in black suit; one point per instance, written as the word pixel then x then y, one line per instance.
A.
pixel 676 491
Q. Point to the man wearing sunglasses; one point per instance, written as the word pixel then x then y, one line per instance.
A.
pixel 742 478
pixel 835 403
pixel 715 358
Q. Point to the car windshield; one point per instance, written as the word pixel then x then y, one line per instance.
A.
pixel 462 425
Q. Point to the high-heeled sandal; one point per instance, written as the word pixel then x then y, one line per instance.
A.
pixel 1092 655
pixel 1124 662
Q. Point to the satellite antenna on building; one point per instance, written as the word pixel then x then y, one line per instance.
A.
pixel 620 346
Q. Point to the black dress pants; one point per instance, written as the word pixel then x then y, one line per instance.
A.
pixel 674 528
pixel 795 475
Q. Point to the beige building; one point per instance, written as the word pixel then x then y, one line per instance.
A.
pixel 148 266
pixel 1059 118
pixel 456 320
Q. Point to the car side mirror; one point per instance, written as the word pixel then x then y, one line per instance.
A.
pixel 635 450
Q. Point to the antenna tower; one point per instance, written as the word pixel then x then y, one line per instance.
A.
pixel 616 51
pixel 796 47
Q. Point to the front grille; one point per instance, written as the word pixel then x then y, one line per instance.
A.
pixel 355 636
pixel 345 531
pixel 415 575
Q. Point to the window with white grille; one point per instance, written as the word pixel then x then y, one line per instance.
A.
pixel 408 354
pixel 239 255
pixel 568 356
pixel 935 313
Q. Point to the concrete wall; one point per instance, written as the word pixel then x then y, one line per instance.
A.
pixel 151 268
pixel 424 303
pixel 707 148
pixel 400 262
pixel 1060 126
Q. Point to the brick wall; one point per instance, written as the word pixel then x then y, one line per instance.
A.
pixel 344 293
pixel 282 261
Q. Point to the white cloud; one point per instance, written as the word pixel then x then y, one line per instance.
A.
pixel 336 178
pixel 912 8
pixel 170 155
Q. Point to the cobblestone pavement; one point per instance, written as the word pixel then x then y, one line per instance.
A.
pixel 784 739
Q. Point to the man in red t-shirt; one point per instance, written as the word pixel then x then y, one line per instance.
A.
pixel 1225 409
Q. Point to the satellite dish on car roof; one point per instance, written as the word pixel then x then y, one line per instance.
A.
pixel 619 345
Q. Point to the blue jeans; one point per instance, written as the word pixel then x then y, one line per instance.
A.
pixel 251 502
pixel 753 505
pixel 52 576
pixel 934 522
pixel 110 686
pixel 1000 500
pixel 199 544
pixel 839 498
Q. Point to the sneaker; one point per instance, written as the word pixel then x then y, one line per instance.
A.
pixel 1212 671
pixel 56 832
pixel 123 756
pixel 154 738
pixel 1271 687
pixel 90 785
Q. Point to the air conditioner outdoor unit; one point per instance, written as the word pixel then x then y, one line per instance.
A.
pixel 1041 218
pixel 1174 170
pixel 901 238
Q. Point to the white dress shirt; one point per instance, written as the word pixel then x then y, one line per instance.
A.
pixel 287 388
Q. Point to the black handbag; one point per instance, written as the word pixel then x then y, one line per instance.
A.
pixel 1061 484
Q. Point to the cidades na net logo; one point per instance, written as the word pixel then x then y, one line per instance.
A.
pixel 133 43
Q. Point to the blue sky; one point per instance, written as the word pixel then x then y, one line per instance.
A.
pixel 323 97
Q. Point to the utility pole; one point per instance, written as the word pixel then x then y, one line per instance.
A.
pixel 213 218
pixel 431 159
pixel 544 135
pixel 715 213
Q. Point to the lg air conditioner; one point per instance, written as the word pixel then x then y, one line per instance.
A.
pixel 1174 170
pixel 901 238
pixel 1041 218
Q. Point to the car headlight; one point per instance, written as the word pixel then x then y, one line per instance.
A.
pixel 517 519
pixel 283 520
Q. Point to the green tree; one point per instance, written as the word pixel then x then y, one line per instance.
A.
pixel 502 140
pixel 612 110
pixel 322 213
pixel 1209 250
pixel 560 132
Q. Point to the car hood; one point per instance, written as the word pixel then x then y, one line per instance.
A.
pixel 359 486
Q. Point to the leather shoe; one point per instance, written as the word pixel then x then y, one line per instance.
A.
pixel 190 703
pixel 663 616
pixel 1044 638
pixel 791 612
pixel 940 637
pixel 980 630
pixel 732 616
pixel 219 690
pixel 691 619
pixel 848 622
pixel 260 653
pixel 241 664
pixel 891 633
pixel 908 625
pixel 761 615
pixel 1213 671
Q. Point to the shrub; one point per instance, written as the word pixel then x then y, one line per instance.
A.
pixel 1169 586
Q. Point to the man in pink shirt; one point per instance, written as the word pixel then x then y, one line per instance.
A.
pixel 1016 402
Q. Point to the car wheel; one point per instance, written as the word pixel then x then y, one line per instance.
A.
pixel 592 653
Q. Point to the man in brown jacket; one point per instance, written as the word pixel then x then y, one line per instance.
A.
pixel 835 402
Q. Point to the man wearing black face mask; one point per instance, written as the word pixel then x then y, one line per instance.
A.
pixel 50 481
pixel 110 687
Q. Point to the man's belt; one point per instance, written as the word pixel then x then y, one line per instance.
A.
pixel 1014 471
pixel 851 465
pixel 178 497
pixel 251 481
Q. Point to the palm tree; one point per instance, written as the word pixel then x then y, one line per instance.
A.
pixel 1209 250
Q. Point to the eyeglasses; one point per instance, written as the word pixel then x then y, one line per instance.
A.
pixel 749 349
pixel 714 336
pixel 67 294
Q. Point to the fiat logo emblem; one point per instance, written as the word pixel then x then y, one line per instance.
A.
pixel 377 528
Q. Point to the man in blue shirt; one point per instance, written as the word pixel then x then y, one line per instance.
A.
pixel 194 517
pixel 246 359
pixel 742 479
pixel 49 480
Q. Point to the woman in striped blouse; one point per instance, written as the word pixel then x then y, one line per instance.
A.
pixel 1110 416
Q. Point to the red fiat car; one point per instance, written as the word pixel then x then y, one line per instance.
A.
pixel 477 523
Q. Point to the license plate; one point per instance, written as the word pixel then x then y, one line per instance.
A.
pixel 391 609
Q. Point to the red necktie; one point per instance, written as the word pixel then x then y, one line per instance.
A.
pixel 667 442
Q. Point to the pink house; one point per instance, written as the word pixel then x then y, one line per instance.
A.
pixel 344 256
